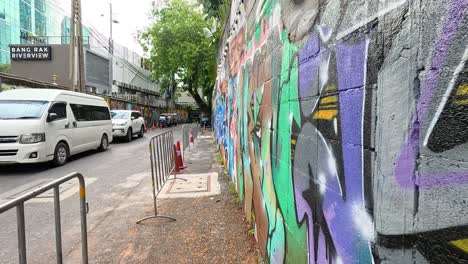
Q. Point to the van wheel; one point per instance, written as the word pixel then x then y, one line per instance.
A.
pixel 129 135
pixel 104 143
pixel 61 154
pixel 142 132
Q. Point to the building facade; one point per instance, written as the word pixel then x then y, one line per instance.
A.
pixel 28 22
pixel 43 22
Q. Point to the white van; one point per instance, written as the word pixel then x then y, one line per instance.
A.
pixel 38 125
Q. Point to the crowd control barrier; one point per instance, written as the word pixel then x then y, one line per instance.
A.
pixel 19 202
pixel 163 164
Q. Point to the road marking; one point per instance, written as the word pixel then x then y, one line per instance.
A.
pixel 66 190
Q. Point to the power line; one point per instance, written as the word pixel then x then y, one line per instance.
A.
pixel 130 66
pixel 102 40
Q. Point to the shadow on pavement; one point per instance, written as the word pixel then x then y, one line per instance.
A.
pixel 15 169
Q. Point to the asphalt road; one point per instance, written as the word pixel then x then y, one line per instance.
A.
pixel 107 177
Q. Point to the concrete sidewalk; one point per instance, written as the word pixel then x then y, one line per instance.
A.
pixel 210 226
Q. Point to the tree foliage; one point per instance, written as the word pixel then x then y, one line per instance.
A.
pixel 5 68
pixel 181 55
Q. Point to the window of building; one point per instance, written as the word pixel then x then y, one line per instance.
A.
pixel 2 10
pixel 40 24
pixel 25 16
pixel 40 5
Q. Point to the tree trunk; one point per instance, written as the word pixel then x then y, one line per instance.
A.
pixel 204 107
pixel 192 83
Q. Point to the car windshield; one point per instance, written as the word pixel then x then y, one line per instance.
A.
pixel 120 115
pixel 22 109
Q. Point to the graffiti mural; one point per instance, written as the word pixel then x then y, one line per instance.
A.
pixel 344 131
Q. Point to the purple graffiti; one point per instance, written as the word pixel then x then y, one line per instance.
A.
pixel 332 233
pixel 406 162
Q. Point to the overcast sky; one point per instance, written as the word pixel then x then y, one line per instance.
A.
pixel 132 15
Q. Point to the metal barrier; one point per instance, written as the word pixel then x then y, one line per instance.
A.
pixel 163 164
pixel 186 135
pixel 19 204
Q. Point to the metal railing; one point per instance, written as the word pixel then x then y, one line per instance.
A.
pixel 19 202
pixel 186 130
pixel 163 164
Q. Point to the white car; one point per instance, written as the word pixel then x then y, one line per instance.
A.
pixel 38 125
pixel 127 123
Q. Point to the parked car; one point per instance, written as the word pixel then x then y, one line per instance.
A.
pixel 162 121
pixel 127 123
pixel 168 120
pixel 39 125
pixel 171 121
pixel 205 122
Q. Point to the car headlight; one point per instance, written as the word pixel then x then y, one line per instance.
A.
pixel 32 138
pixel 120 124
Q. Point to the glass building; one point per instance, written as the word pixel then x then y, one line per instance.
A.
pixel 29 22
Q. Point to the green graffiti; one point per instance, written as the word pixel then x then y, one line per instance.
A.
pixel 296 236
pixel 257 33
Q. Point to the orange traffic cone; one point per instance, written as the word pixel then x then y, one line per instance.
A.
pixel 180 160
pixel 191 136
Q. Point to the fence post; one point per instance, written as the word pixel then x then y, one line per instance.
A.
pixel 84 226
pixel 21 233
pixel 58 225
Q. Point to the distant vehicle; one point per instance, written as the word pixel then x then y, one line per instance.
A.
pixel 171 120
pixel 39 125
pixel 205 122
pixel 168 120
pixel 127 123
pixel 162 121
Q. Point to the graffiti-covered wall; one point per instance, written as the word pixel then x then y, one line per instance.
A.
pixel 344 127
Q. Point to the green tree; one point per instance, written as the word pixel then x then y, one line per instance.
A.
pixel 180 53
pixel 5 68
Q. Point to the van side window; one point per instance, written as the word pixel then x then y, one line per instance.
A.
pixel 101 113
pixel 90 112
pixel 60 109
pixel 79 112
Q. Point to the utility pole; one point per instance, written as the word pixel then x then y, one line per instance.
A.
pixel 76 41
pixel 72 43
pixel 81 79
pixel 111 50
